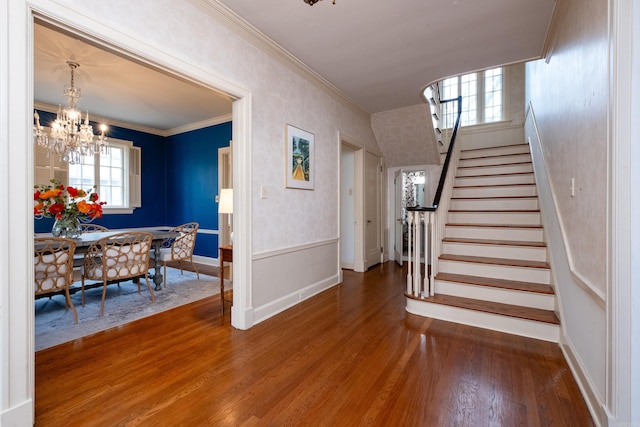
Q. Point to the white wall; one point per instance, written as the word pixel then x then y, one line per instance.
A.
pixel 289 225
pixel 569 97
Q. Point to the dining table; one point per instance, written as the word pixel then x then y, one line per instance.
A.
pixel 159 236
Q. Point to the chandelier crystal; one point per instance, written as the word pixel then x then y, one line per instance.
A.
pixel 70 137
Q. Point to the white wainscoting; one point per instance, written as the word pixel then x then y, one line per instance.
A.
pixel 284 278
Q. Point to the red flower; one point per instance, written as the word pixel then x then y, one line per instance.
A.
pixel 93 197
pixel 56 209
pixel 72 192
pixel 36 195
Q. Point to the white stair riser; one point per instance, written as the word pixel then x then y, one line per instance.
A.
pixel 501 160
pixel 515 204
pixel 495 151
pixel 505 296
pixel 524 178
pixel 494 170
pixel 497 233
pixel 527 253
pixel 510 325
pixel 523 274
pixel 496 191
pixel 528 218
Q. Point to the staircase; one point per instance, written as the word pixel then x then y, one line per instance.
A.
pixel 493 271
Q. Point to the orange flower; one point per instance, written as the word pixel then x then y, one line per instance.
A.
pixel 84 207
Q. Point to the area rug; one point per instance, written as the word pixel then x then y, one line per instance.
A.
pixel 54 325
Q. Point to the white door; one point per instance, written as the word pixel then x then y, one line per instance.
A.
pixel 372 187
pixel 225 180
pixel 398 228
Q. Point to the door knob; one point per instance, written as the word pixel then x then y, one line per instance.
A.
pixel 368 221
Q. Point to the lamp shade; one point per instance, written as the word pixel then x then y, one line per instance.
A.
pixel 225 204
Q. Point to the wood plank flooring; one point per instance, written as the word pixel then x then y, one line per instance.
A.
pixel 350 356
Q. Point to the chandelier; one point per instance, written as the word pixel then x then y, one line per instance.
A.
pixel 312 2
pixel 70 137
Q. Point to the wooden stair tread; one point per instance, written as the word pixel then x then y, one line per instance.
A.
pixel 494 197
pixel 535 314
pixel 494 165
pixel 492 156
pixel 495 242
pixel 514 285
pixel 523 184
pixel 494 175
pixel 467 224
pixel 489 225
pixel 520 144
pixel 495 261
pixel 494 210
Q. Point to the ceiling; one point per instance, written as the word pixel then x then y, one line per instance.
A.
pixel 117 90
pixel 380 54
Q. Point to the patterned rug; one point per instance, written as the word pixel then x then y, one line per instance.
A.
pixel 54 325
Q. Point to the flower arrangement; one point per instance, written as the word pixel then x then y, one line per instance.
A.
pixel 67 205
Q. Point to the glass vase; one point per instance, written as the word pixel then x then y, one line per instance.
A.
pixel 68 227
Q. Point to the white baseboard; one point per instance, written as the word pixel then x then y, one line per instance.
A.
pixel 595 405
pixel 281 304
pixel 20 415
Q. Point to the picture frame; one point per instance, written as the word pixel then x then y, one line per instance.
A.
pixel 299 158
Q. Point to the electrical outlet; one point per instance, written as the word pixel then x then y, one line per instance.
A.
pixel 263 191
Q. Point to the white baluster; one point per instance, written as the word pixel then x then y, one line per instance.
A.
pixel 409 241
pixel 416 255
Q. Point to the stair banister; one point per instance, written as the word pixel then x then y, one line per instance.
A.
pixel 434 220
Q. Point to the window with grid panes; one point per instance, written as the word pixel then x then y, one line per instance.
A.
pixel 482 97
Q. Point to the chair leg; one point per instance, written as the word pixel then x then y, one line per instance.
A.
pixel 82 288
pixel 104 294
pixel 146 279
pixel 69 302
pixel 194 267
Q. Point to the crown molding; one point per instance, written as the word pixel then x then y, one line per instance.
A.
pixel 148 129
pixel 199 125
pixel 244 29
pixel 555 24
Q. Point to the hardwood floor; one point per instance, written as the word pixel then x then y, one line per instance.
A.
pixel 349 356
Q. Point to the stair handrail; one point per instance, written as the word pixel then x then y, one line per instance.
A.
pixel 433 224
pixel 447 160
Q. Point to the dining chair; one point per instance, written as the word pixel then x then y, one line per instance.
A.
pixel 116 258
pixel 92 228
pixel 179 248
pixel 53 268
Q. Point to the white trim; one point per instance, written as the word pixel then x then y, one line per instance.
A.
pixel 292 249
pixel 148 129
pixel 583 380
pixel 623 379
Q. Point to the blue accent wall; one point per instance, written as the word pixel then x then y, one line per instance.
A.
pixel 192 181
pixel 179 181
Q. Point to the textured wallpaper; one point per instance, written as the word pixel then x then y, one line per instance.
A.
pixel 287 217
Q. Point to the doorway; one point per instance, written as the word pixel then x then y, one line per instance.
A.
pixel 410 190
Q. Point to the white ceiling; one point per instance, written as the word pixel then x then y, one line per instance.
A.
pixel 116 89
pixel 381 54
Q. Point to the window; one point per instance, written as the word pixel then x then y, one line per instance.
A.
pixel 116 174
pixel 482 97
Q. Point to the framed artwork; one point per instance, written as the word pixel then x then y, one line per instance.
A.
pixel 299 159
